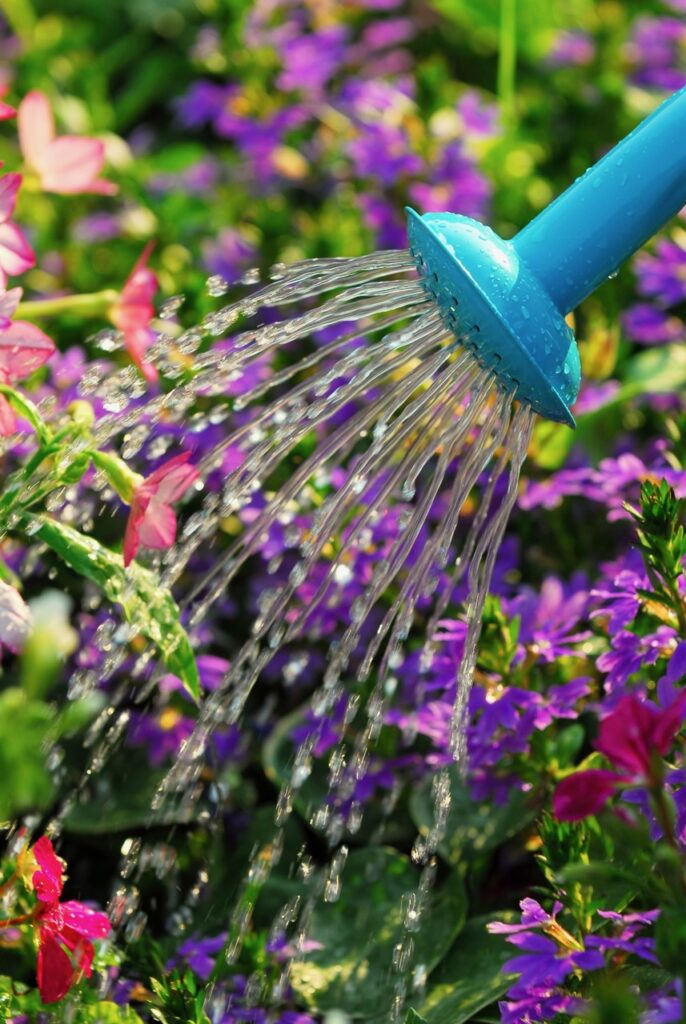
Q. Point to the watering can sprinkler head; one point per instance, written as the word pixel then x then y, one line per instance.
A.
pixel 506 301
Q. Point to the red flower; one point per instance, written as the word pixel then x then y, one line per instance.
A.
pixel 152 521
pixel 134 310
pixel 65 951
pixel 630 737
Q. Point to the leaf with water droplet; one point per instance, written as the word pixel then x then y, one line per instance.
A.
pixel 359 932
pixel 470 977
pixel 146 604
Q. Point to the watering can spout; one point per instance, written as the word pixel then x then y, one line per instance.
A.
pixel 608 213
pixel 506 300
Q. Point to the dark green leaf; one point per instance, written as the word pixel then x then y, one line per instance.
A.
pixel 353 970
pixel 473 826
pixel 470 976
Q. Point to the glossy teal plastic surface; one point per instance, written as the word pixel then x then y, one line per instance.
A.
pixel 506 300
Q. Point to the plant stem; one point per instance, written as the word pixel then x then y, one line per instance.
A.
pixel 9 922
pixel 8 883
pixel 95 304
pixel 507 61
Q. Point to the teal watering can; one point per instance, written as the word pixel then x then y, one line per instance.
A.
pixel 506 300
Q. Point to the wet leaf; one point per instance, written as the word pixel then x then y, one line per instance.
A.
pixel 353 971
pixel 470 976
pixel 147 606
pixel 473 826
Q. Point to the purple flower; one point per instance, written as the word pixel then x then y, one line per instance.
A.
pixel 549 618
pixel 546 963
pixel 383 153
pixel 456 185
pixel 619 600
pixel 199 954
pixel 629 653
pixel 571 49
pixel 654 50
pixel 229 255
pixel 203 102
pixel 662 275
pixel 626 938
pixel 385 221
pixel 311 59
pixel 651 326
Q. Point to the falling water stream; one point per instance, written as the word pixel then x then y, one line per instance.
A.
pixel 397 400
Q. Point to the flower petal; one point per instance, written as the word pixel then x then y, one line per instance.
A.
pixel 36 127
pixel 71 164
pixel 47 881
pixel 80 918
pixel 9 187
pixel 584 793
pixel 171 481
pixel 8 419
pixel 158 528
pixel 55 970
pixel 23 349
pixel 16 255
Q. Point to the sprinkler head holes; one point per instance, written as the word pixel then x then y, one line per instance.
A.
pixel 496 308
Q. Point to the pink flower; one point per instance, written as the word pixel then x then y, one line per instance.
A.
pixel 134 310
pixel 69 164
pixel 65 930
pixel 16 255
pixel 23 348
pixel 632 737
pixel 152 522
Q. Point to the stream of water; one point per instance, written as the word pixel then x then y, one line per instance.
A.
pixel 386 392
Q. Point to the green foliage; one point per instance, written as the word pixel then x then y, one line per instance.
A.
pixel 360 931
pixel 470 976
pixel 662 540
pixel 473 827
pixel 147 606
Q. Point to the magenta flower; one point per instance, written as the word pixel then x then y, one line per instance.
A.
pixel 65 930
pixel 68 164
pixel 631 737
pixel 134 310
pixel 16 255
pixel 152 522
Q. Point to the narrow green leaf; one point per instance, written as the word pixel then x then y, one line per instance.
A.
pixel 147 606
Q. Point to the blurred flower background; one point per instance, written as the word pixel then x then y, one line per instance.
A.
pixel 165 153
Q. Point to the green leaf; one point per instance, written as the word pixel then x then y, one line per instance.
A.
pixel 25 783
pixel 353 970
pixel 551 444
pixel 412 1017
pixel 470 976
pixel 473 826
pixel 106 1013
pixel 147 606
pixel 277 760
pixel 119 799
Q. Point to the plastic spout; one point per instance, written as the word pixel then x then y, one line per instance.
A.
pixel 584 235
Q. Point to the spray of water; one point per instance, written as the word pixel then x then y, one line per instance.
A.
pixel 390 395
